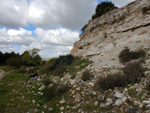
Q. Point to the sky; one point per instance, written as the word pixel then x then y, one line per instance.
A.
pixel 52 26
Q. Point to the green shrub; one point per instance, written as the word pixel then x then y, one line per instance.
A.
pixel 3 90
pixel 2 107
pixel 54 91
pixel 15 61
pixel 22 69
pixel 133 71
pixel 103 8
pixel 86 75
pixel 51 61
pixel 111 81
pixel 46 81
pixel 126 55
pixel 62 60
pixel 49 92
pixel 60 71
pixel 65 64
pixel 61 89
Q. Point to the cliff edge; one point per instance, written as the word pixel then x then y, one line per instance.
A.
pixel 105 37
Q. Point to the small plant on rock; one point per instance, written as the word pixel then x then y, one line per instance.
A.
pixel 86 75
pixel 105 35
pixel 126 55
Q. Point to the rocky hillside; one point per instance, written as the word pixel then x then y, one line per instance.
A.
pixel 105 37
pixel 113 76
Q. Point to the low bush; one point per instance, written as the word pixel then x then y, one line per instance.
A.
pixel 126 55
pixel 111 81
pixel 46 81
pixel 61 89
pixel 15 61
pixel 51 61
pixel 133 71
pixel 62 60
pixel 86 75
pixel 54 91
pixel 65 64
pixel 22 69
pixel 3 90
pixel 49 92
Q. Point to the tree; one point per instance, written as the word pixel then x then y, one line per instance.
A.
pixel 103 8
pixel 2 61
pixel 34 52
pixel 31 57
pixel 15 61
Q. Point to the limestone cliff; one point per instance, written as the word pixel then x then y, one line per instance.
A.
pixel 105 37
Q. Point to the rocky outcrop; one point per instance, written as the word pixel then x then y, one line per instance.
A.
pixel 105 37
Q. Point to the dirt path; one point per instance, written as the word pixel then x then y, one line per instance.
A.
pixel 2 74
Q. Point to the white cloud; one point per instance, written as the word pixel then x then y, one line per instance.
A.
pixel 57 37
pixel 46 13
pixel 52 43
pixel 15 37
pixel 72 14
pixel 12 13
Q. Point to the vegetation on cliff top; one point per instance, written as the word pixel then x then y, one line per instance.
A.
pixel 103 8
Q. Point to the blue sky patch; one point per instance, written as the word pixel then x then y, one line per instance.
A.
pixel 17 47
pixel 31 27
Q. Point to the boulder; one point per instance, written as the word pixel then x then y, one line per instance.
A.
pixel 118 102
pixel 119 95
pixel 101 97
pixel 78 97
pixel 134 110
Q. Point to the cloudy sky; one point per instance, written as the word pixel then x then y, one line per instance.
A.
pixel 50 25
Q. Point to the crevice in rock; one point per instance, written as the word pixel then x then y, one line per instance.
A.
pixel 92 55
pixel 134 28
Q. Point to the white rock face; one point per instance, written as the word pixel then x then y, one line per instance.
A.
pixel 132 32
